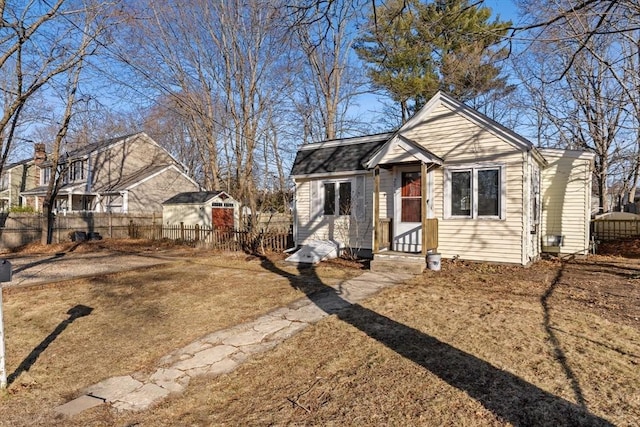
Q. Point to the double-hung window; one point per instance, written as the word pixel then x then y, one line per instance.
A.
pixel 77 170
pixel 475 192
pixel 45 176
pixel 337 198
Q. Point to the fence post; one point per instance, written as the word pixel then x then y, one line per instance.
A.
pixel 197 231
pixel 182 231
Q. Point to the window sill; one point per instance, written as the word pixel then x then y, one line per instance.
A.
pixel 480 218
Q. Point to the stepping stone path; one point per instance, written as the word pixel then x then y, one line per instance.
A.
pixel 222 351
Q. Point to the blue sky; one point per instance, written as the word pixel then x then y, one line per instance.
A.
pixel 505 8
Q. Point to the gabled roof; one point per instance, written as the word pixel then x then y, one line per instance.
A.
pixel 126 182
pixel 441 98
pixel 339 155
pixel 362 153
pixel 99 146
pixel 195 197
pixel 87 149
pixel 409 149
pixel 18 163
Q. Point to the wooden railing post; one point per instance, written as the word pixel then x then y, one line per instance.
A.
pixel 376 210
pixel 423 205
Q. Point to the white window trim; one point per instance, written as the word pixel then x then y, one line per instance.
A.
pixel 358 197
pixel 337 183
pixel 474 168
pixel 45 175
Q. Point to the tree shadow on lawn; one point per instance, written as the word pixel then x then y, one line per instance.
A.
pixel 506 395
pixel 74 313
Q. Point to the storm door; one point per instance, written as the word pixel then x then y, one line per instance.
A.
pixel 408 210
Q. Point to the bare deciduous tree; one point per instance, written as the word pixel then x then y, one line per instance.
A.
pixel 36 45
pixel 580 85
pixel 225 67
pixel 330 79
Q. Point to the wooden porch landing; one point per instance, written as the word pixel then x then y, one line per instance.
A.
pixel 400 262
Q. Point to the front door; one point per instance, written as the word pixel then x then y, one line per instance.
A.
pixel 407 235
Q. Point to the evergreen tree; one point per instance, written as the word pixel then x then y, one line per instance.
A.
pixel 415 48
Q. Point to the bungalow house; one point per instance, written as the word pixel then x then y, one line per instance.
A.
pixel 449 180
pixel 121 175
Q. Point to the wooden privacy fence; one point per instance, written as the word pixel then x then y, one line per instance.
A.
pixel 17 229
pixel 614 229
pixel 228 240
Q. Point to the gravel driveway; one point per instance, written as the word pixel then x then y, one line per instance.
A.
pixel 38 269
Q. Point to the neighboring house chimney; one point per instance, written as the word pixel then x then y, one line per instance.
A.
pixel 40 154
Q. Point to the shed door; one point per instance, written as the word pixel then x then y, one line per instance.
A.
pixel 222 218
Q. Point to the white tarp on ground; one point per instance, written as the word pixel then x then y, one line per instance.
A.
pixel 314 252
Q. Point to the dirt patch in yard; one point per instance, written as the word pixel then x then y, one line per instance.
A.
pixel 557 343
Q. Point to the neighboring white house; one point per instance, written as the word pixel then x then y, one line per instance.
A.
pixel 205 208
pixel 449 177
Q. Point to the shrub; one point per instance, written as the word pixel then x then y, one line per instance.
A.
pixel 22 209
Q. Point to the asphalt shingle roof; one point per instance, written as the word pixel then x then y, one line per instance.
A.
pixel 191 197
pixel 334 156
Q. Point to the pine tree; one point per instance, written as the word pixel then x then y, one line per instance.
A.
pixel 413 49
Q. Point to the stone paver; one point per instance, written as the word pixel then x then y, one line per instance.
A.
pixel 78 405
pixel 141 398
pixel 222 351
pixel 114 388
pixel 205 357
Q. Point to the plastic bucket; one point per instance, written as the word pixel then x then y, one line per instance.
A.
pixel 433 261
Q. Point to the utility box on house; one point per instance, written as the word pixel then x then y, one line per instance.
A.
pixel 211 209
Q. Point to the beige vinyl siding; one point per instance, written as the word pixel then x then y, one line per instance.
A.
pixel 479 239
pixel 566 200
pixel 460 142
pixel 353 231
pixel 386 193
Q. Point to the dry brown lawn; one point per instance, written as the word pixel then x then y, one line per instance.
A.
pixel 475 344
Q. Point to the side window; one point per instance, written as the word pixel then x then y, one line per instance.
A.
pixel 461 193
pixel 337 198
pixel 488 192
pixel 344 198
pixel 329 198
